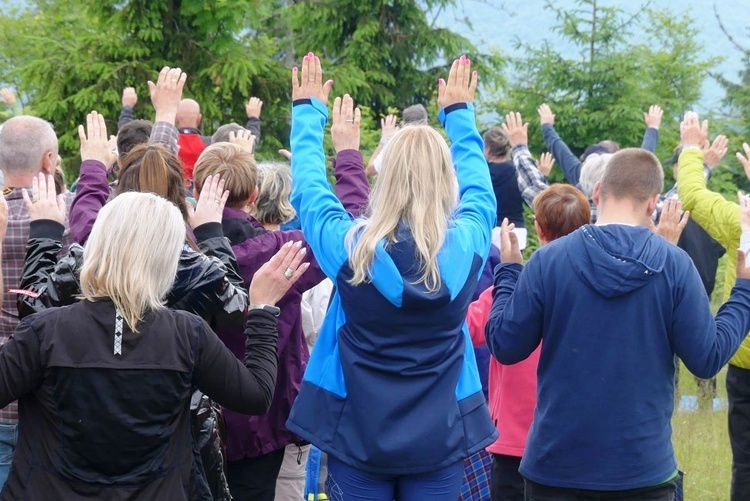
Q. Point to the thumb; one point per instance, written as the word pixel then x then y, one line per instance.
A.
pixel 151 87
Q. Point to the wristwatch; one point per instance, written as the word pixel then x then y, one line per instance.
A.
pixel 273 310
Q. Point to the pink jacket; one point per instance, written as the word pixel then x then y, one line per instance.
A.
pixel 512 388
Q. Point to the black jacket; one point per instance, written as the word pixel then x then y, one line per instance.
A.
pixel 207 283
pixel 104 413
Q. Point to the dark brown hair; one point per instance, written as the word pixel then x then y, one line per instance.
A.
pixel 560 210
pixel 131 135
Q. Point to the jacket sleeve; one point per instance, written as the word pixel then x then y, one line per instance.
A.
pixel 703 343
pixel 21 370
pixel 476 317
pixel 126 115
pixel 531 182
pixel 227 299
pixel 253 125
pixel 47 282
pixel 324 220
pixel 569 163
pixel 718 216
pixel 167 135
pixel 477 208
pixel 91 195
pixel 352 187
pixel 650 139
pixel 514 328
pixel 245 389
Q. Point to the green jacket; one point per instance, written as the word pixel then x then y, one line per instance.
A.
pixel 719 217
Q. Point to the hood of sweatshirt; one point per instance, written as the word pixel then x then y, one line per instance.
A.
pixel 616 259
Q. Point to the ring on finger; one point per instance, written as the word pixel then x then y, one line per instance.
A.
pixel 311 80
pixel 350 121
pixel 288 273
pixel 217 200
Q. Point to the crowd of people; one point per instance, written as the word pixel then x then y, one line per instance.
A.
pixel 188 323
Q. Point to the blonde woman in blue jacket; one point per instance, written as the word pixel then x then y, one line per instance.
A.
pixel 391 391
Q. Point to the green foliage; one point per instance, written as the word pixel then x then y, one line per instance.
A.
pixel 624 64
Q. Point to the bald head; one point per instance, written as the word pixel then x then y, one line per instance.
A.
pixel 27 144
pixel 188 114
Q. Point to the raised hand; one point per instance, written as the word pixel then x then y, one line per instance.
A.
pixel 8 96
pixel 95 144
pixel 546 162
pixel 745 160
pixel 515 130
pixel 44 203
pixel 744 211
pixel 387 128
pixel 653 117
pixel 129 97
pixel 461 85
pixel 510 252
pixel 166 93
pixel 715 153
pixel 211 202
pixel 312 84
pixel 244 139
pixel 253 107
pixel 286 154
pixel 545 115
pixel 345 126
pixel 672 221
pixel 278 275
pixel 692 132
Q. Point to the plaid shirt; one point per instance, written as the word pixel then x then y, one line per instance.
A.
pixel 166 134
pixel 14 256
pixel 531 181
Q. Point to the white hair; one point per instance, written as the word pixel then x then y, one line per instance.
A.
pixel 592 171
pixel 132 254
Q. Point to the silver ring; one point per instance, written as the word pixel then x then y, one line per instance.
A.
pixel 350 121
pixel 217 200
pixel 288 273
pixel 310 79
pixel 175 80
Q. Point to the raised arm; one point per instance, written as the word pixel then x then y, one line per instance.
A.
pixel 45 281
pixel 569 163
pixel 530 180
pixel 387 130
pixel 653 119
pixel 252 110
pixel 323 218
pixel 352 187
pixel 93 188
pixel 477 209
pixel 166 94
pixel 718 216
pixel 129 100
pixel 219 374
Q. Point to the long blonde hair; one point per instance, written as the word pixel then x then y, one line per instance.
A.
pixel 416 186
pixel 132 254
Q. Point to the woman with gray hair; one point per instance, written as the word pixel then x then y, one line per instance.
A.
pixel 592 171
pixel 123 382
pixel 272 208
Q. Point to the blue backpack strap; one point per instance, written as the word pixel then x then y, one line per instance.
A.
pixel 312 474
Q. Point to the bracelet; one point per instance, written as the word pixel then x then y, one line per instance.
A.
pixel 691 147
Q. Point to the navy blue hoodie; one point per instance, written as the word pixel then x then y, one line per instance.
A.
pixel 613 304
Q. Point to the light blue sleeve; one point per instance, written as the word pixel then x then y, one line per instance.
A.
pixel 477 209
pixel 323 219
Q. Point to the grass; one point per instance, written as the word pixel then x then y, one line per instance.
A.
pixel 701 444
pixel 701 439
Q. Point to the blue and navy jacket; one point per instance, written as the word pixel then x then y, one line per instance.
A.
pixel 392 385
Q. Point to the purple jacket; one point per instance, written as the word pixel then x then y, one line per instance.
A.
pixel 251 436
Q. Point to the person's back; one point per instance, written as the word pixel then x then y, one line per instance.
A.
pixel 613 303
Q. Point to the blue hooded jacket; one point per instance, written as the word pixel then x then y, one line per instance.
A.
pixel 614 304
pixel 392 384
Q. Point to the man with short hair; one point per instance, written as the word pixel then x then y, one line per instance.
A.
pixel 613 303
pixel 28 146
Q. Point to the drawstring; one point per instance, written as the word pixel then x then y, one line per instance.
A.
pixel 299 455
